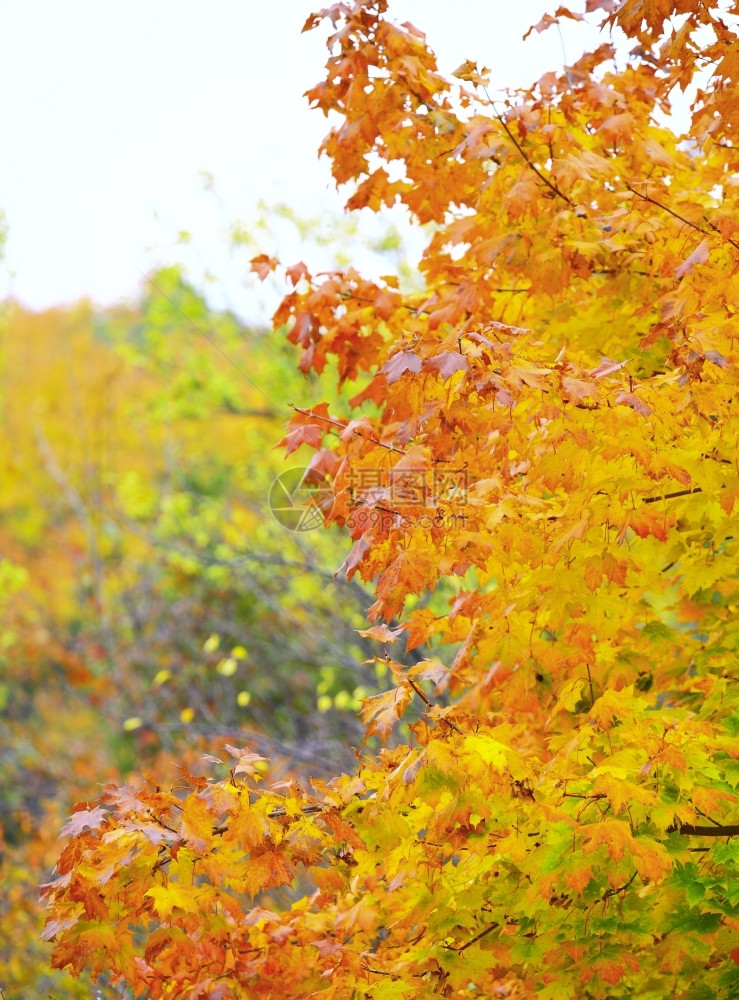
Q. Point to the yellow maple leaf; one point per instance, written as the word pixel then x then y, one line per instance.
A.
pixel 173 896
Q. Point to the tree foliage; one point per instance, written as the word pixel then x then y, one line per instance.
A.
pixel 547 430
pixel 142 577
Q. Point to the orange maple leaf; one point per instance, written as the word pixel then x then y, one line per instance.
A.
pixel 380 712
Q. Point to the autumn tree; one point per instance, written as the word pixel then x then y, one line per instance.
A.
pixel 539 476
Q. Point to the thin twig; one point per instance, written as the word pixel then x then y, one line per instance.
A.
pixel 671 496
pixel 621 888
pixel 475 939
pixel 421 694
pixel 550 184
pixel 680 218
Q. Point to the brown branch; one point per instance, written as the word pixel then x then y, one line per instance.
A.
pixel 451 725
pixel 475 939
pixel 310 810
pixel 378 972
pixel 550 184
pixel 621 888
pixel 373 440
pixel 416 310
pixel 160 821
pixel 421 694
pixel 671 496
pixel 691 830
pixel 338 423
pixel 680 218
pixel 666 208
pixel 727 238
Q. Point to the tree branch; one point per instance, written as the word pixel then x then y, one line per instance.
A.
pixel 475 939
pixel 680 218
pixel 671 496
pixel 691 830
pixel 542 177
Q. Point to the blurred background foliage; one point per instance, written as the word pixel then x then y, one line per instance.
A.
pixel 151 607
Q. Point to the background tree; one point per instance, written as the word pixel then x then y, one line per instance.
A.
pixel 550 424
pixel 143 577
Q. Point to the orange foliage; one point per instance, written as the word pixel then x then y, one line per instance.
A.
pixel 537 479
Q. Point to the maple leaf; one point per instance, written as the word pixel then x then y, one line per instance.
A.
pixel 382 633
pixel 580 392
pixel 447 363
pixel 607 367
pixel 488 749
pixel 605 565
pixel 173 896
pixel 431 670
pixel 380 712
pixel 354 560
pixel 570 692
pixel 613 705
pixel 404 361
pixel 267 868
pixel 578 880
pixel 54 927
pixel 196 825
pixel 644 524
pixel 342 830
pixel 610 972
pixel 297 271
pixel 246 760
pixel 632 400
pixel 375 192
pixel 548 20
pixel 650 859
pixel 247 827
pixel 263 265
pixel 310 434
pixel 698 256
pixel 469 72
pixel 83 817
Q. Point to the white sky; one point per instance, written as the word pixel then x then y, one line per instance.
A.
pixel 109 111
